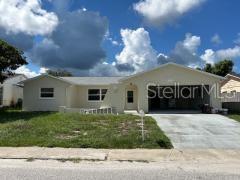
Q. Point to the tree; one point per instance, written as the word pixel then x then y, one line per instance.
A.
pixel 222 68
pixel 59 73
pixel 208 68
pixel 10 59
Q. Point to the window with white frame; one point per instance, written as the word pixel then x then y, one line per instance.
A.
pixel 47 93
pixel 96 94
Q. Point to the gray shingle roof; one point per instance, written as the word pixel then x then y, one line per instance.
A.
pixel 92 80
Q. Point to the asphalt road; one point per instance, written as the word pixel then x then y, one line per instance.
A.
pixel 42 170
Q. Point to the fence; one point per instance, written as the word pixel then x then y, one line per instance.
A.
pixel 231 97
pixel 108 110
pixel 231 101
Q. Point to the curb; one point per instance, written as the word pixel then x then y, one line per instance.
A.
pixel 138 155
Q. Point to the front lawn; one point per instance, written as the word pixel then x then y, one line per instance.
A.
pixel 47 129
pixel 235 117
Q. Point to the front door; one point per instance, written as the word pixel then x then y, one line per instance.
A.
pixel 131 100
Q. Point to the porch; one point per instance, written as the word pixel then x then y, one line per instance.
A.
pixel 108 99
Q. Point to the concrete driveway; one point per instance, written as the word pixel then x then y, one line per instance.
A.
pixel 200 131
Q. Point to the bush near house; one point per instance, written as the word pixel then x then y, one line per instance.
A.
pixel 46 129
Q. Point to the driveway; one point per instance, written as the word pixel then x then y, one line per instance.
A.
pixel 200 131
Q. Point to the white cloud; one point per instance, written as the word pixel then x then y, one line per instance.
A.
pixel 185 52
pixel 237 41
pixel 105 69
pixel 191 43
pixel 26 16
pixel 137 55
pixel 138 51
pixel 216 39
pixel 29 73
pixel 84 9
pixel 115 43
pixel 109 38
pixel 160 12
pixel 43 70
pixel 211 56
pixel 26 71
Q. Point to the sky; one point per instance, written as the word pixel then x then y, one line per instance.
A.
pixel 119 38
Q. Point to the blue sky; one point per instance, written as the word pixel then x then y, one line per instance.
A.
pixel 182 37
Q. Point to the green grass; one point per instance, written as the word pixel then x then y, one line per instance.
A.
pixel 235 117
pixel 45 129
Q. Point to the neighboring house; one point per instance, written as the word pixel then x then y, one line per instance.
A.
pixel 48 93
pixel 230 89
pixel 10 91
pixel 231 84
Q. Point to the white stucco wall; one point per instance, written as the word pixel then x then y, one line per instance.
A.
pixel 169 75
pixel 79 97
pixel 31 94
pixel 115 97
pixel 232 84
pixel 11 92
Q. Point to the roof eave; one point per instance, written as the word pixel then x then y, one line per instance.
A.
pixel 232 76
pixel 46 75
pixel 178 65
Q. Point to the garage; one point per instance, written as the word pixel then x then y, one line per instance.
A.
pixel 178 97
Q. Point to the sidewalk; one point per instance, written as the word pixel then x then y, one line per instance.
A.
pixel 159 155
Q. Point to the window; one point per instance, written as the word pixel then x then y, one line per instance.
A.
pixel 96 94
pixel 130 96
pixel 47 93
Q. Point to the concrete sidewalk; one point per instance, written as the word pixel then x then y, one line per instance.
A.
pixel 158 155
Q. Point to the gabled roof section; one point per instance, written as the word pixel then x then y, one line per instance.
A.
pixel 176 65
pixel 45 75
pixel 233 74
pixel 80 80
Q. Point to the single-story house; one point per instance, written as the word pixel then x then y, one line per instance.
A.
pixel 156 89
pixel 11 91
pixel 231 83
pixel 230 89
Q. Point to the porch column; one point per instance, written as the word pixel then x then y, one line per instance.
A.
pixel 215 100
pixel 67 98
pixel 71 96
pixel 142 98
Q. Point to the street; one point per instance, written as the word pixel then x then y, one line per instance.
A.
pixel 50 169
